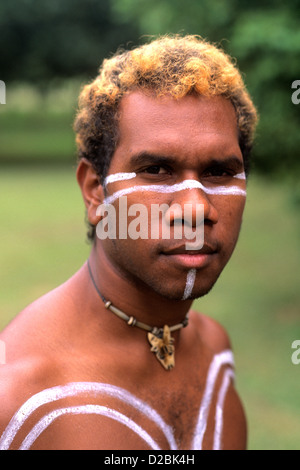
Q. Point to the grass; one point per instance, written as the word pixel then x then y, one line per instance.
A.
pixel 43 233
pixel 25 137
pixel 36 126
pixel 257 298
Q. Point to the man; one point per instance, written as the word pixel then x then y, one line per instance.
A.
pixel 115 358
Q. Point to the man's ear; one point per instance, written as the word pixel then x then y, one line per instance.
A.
pixel 91 189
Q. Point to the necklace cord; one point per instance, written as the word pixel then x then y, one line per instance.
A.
pixel 130 320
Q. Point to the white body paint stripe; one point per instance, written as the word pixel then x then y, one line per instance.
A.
pixel 86 409
pixel 75 389
pixel 190 281
pixel 226 357
pixel 228 376
pixel 118 177
pixel 79 388
pixel 184 185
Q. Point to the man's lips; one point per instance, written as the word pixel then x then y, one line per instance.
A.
pixel 181 250
pixel 191 258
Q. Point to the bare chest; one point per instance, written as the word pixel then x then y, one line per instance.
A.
pixel 99 415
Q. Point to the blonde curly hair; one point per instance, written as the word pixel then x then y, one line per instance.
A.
pixel 177 66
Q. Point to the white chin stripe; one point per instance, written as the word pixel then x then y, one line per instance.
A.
pixel 190 281
pixel 184 185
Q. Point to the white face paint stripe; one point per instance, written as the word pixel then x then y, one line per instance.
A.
pixel 86 409
pixel 228 376
pixel 78 388
pixel 118 177
pixel 127 176
pixel 240 176
pixel 75 389
pixel 190 281
pixel 226 357
pixel 184 185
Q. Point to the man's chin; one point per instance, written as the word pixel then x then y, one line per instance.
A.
pixel 178 295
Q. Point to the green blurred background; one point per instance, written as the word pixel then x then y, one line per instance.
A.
pixel 48 51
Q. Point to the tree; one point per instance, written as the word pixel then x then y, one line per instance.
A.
pixel 43 39
pixel 264 37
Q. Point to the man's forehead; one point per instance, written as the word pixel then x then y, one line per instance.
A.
pixel 192 125
pixel 146 121
pixel 203 109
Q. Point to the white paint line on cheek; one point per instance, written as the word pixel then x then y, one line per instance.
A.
pixel 240 176
pixel 190 281
pixel 127 176
pixel 184 185
pixel 86 409
pixel 118 177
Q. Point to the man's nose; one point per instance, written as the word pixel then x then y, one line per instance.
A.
pixel 188 204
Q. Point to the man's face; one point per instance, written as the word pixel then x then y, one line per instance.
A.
pixel 164 142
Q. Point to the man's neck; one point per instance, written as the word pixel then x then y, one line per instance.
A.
pixel 132 296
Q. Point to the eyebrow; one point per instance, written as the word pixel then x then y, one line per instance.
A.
pixel 232 161
pixel 157 159
pixel 153 158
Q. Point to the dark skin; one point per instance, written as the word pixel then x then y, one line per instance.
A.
pixel 69 336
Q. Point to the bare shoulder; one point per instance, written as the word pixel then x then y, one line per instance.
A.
pixel 54 393
pixel 19 380
pixel 30 356
pixel 53 387
pixel 38 330
pixel 211 332
pixel 36 415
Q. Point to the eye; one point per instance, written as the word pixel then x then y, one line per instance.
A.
pixel 219 172
pixel 157 170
